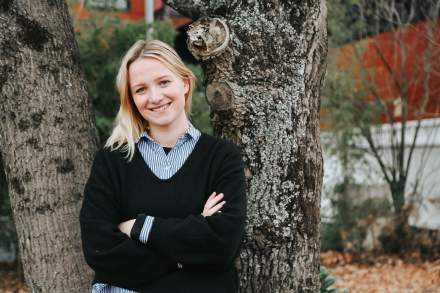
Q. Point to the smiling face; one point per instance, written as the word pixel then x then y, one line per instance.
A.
pixel 158 93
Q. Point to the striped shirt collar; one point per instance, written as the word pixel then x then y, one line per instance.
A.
pixel 191 132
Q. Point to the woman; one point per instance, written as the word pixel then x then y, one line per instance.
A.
pixel 164 206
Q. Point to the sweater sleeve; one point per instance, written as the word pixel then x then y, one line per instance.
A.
pixel 115 258
pixel 210 243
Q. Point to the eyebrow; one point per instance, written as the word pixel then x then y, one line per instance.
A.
pixel 158 78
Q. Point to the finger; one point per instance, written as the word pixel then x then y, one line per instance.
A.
pixel 218 197
pixel 216 208
pixel 213 201
pixel 211 197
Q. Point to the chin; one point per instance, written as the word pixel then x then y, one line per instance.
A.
pixel 166 120
pixel 161 123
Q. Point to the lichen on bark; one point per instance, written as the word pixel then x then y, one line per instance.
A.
pixel 264 94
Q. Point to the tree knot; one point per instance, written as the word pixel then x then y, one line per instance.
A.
pixel 208 38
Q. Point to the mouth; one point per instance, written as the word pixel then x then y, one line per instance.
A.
pixel 160 108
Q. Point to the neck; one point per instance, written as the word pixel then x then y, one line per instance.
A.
pixel 167 135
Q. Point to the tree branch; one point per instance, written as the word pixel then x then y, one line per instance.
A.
pixel 379 101
pixel 425 98
pixel 365 131
pixel 387 66
pixel 401 86
pixel 404 105
pixel 371 87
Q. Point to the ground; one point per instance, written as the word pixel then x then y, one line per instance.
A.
pixel 9 280
pixel 382 274
pixel 366 274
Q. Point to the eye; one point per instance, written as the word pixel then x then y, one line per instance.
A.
pixel 164 82
pixel 140 90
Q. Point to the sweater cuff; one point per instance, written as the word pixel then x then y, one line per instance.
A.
pixel 137 226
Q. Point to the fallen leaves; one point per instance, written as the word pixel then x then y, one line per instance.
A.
pixel 382 274
pixel 10 282
pixel 366 274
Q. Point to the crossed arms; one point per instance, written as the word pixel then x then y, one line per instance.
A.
pixel 207 241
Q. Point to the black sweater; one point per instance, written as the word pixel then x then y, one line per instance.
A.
pixel 118 190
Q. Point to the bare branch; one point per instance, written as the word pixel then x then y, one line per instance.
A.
pixel 404 105
pixel 425 98
pixel 387 66
pixel 379 101
pixel 366 133
pixel 412 12
pixel 371 88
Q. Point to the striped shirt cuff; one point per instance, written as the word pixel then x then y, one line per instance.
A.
pixel 138 226
pixel 146 228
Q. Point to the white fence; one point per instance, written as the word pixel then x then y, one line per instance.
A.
pixel 423 184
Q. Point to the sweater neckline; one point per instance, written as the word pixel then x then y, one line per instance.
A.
pixel 141 163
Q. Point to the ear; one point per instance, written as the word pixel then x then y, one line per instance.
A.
pixel 186 86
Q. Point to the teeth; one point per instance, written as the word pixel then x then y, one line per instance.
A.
pixel 161 108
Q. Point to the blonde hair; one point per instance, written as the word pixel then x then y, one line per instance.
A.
pixel 129 123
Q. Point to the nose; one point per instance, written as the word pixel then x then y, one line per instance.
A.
pixel 154 95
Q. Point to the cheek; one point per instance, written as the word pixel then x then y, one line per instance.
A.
pixel 135 101
pixel 138 102
pixel 171 92
pixel 176 91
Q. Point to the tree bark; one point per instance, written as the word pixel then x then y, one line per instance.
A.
pixel 48 139
pixel 264 93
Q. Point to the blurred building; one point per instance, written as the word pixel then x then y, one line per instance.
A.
pixel 393 64
pixel 135 10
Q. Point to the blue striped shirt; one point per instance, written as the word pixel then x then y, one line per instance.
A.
pixel 164 166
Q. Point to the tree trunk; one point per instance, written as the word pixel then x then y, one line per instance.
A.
pixel 264 63
pixel 397 189
pixel 48 140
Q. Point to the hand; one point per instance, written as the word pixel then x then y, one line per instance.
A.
pixel 213 205
pixel 126 226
